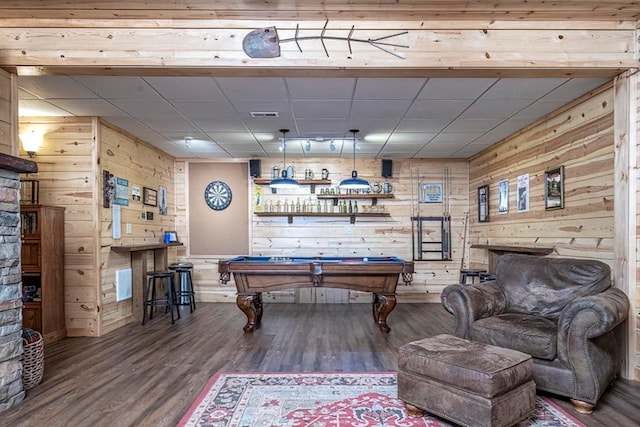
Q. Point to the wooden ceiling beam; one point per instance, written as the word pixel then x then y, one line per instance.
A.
pixel 592 10
pixel 194 51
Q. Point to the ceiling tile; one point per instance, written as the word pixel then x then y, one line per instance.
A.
pixel 246 106
pixel 118 87
pixel 34 107
pixel 321 88
pixel 388 88
pixel 473 125
pixel 455 88
pixel 143 108
pixel 575 88
pixel 539 109
pixel 372 126
pixel 422 125
pixel 321 127
pixel 205 108
pixel 380 109
pixel 173 124
pixel 185 87
pixel 59 87
pixel 495 108
pixel 90 107
pixel 455 138
pixel 321 109
pixel 270 125
pixel 411 138
pixel 216 124
pixel 437 109
pixel 264 88
pixel 232 138
pixel 522 88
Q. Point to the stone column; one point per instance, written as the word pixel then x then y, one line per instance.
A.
pixel 11 388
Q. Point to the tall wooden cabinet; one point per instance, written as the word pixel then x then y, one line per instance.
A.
pixel 42 230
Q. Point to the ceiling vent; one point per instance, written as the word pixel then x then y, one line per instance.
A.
pixel 264 114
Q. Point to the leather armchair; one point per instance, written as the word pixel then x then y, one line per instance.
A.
pixel 563 312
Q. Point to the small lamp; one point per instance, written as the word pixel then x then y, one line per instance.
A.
pixel 354 183
pixel 31 141
pixel 284 181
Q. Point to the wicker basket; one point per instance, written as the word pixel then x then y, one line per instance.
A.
pixel 32 363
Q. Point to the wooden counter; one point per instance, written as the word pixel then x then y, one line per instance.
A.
pixel 139 268
pixel 495 251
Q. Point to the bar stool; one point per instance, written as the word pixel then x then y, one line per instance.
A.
pixel 151 300
pixel 185 294
pixel 470 272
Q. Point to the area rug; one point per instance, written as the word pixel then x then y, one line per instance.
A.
pixel 323 400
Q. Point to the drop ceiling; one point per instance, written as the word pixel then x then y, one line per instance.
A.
pixel 211 117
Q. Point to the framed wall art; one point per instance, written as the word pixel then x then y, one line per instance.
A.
pixel 430 193
pixel 554 188
pixel 149 196
pixel 163 203
pixel 483 203
pixel 523 193
pixel 503 196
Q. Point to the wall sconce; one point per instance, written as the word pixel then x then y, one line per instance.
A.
pixel 32 141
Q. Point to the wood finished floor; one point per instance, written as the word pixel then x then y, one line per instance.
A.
pixel 149 375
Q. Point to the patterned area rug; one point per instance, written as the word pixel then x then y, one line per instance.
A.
pixel 322 400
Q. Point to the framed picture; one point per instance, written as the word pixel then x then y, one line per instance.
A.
pixel 162 200
pixel 554 188
pixel 149 196
pixel 430 193
pixel 523 193
pixel 503 196
pixel 483 203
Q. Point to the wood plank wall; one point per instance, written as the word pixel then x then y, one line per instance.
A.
pixel 336 237
pixel 579 137
pixel 144 166
pixel 67 178
pixel 70 176
pixel 6 114
pixel 637 301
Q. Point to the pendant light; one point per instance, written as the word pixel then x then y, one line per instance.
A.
pixel 284 181
pixel 354 183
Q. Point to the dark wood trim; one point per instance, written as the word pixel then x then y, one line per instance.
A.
pixel 17 164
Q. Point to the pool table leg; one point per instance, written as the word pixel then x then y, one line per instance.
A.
pixel 383 304
pixel 251 306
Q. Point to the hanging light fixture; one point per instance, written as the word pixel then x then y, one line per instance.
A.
pixel 354 183
pixel 284 181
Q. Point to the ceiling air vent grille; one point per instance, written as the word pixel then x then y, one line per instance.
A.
pixel 264 114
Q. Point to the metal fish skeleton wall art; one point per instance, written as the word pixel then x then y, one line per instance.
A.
pixel 265 43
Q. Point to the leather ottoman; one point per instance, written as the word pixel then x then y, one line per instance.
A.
pixel 470 383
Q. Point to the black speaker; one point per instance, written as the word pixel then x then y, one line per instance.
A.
pixel 254 168
pixel 386 168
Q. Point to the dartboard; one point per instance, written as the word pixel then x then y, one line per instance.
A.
pixel 217 195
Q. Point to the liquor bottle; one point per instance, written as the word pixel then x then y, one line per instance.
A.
pixel 304 206
pixel 298 205
pixel 318 207
pixel 355 207
pixel 350 207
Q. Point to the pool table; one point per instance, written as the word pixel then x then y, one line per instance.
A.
pixel 254 275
